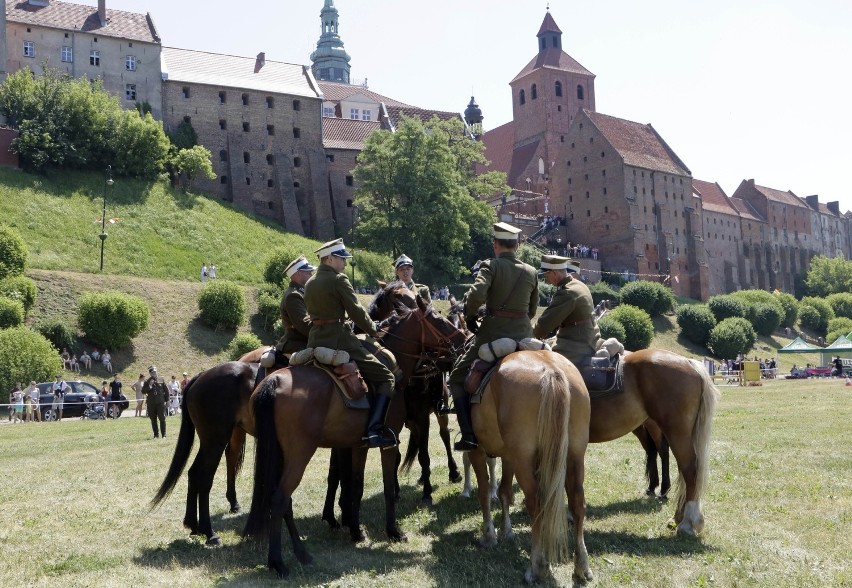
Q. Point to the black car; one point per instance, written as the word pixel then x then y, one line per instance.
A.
pixel 75 402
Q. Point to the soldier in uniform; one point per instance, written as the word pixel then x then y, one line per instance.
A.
pixel 570 312
pixel 294 313
pixel 509 289
pixel 404 270
pixel 155 389
pixel 330 298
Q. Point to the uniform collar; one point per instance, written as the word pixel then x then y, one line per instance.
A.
pixel 298 287
pixel 326 268
pixel 507 254
pixel 564 281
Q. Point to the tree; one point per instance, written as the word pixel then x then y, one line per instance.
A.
pixel 184 136
pixel 13 253
pixel 417 196
pixel 829 276
pixel 193 162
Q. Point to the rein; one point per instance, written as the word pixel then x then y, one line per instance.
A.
pixel 445 350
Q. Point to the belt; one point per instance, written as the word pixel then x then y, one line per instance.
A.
pixel 575 323
pixel 505 313
pixel 318 322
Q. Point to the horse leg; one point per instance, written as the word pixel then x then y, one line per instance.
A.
pixel 200 481
pixel 662 448
pixel 299 549
pixel 233 462
pixel 688 516
pixel 390 463
pixel 507 496
pixel 477 460
pixel 274 558
pixel 295 463
pixel 468 487
pixel 331 490
pixel 423 459
pixel 353 521
pixel 650 448
pixel 492 475
pixel 539 567
pixel 574 478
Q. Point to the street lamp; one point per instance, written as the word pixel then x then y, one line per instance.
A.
pixel 107 182
pixel 354 220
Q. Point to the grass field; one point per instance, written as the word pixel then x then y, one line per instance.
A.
pixel 778 510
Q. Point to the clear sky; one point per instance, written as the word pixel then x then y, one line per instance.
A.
pixel 738 88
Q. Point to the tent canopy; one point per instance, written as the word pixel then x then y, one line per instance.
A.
pixel 842 343
pixel 799 345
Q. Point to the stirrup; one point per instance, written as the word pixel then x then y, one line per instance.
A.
pixel 387 439
pixel 465 445
pixel 442 408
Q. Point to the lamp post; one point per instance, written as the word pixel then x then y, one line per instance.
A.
pixel 354 221
pixel 107 182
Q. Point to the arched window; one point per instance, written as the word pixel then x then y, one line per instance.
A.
pixel 558 88
pixel 580 92
pixel 534 92
pixel 540 166
pixel 522 97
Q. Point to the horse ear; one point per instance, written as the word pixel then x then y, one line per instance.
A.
pixel 381 284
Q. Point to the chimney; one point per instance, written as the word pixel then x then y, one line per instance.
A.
pixel 102 12
pixel 834 207
pixel 812 201
pixel 261 61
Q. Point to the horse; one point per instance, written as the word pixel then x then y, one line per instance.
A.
pixel 534 414
pixel 655 444
pixel 297 410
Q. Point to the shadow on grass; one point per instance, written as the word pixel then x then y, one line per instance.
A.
pixel 206 340
pixel 259 327
pixel 601 543
pixel 662 324
pixel 639 505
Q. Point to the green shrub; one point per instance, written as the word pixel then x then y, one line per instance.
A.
pixel 277 262
pixel 603 291
pixel 112 319
pixel 732 336
pixel 268 307
pixel 222 304
pixel 767 318
pixel 25 355
pixel 370 268
pixel 826 313
pixel 610 327
pixel 58 333
pixel 841 304
pixel 13 253
pixel 726 306
pixel 696 321
pixel 753 298
pixel 11 312
pixel 791 308
pixel 242 344
pixel 837 327
pixel 652 297
pixel 809 317
pixel 20 288
pixel 545 293
pixel 638 327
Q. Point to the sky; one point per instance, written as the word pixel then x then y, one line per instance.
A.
pixel 739 89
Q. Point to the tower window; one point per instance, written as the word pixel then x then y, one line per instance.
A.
pixel 222 97
pixel 297 105
pixel 245 99
pixel 297 162
pixel 223 124
pixel 296 132
pixel 270 130
pixel 246 157
pixel 559 88
pixel 270 159
pixel 270 102
pixel 223 180
pixel 185 91
pixel 223 155
pixel 246 127
pixel 522 97
pixel 580 92
pixel 270 183
pixel 349 180
pixel 534 92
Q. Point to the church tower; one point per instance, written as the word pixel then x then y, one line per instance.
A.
pixel 330 60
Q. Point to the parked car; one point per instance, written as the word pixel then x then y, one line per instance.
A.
pixel 75 400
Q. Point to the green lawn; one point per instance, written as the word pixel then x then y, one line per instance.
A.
pixel 778 510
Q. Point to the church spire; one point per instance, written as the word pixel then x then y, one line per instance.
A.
pixel 330 60
pixel 549 35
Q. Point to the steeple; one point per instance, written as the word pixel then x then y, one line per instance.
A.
pixel 549 35
pixel 473 117
pixel 330 60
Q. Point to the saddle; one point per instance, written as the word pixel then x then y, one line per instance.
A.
pixel 603 374
pixel 336 363
pixel 490 355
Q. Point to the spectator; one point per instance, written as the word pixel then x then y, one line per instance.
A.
pixel 106 359
pixel 184 383
pixel 31 395
pixel 212 272
pixel 96 355
pixel 17 402
pixel 66 358
pixel 203 272
pixel 86 360
pixel 60 388
pixel 105 395
pixel 75 365
pixel 115 396
pixel 140 398
pixel 838 367
pixel 12 395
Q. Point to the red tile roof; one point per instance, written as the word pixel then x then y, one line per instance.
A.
pixel 553 58
pixel 498 148
pixel 639 145
pixel 397 112
pixel 746 210
pixel 548 25
pixel 335 92
pixel 344 133
pixel 521 158
pixel 779 196
pixel 713 198
pixel 77 17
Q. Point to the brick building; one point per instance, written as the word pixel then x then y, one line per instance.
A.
pixel 722 233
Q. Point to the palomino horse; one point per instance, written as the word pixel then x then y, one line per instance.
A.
pixel 297 410
pixel 534 414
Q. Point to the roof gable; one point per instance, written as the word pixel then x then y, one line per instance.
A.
pixel 778 196
pixel 713 198
pixel 746 210
pixel 553 58
pixel 78 17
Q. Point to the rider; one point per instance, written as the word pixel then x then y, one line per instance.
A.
pixel 294 314
pixel 329 298
pixel 570 312
pixel 404 270
pixel 509 289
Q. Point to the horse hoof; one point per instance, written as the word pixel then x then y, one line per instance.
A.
pixel 465 494
pixel 650 492
pixel 530 577
pixel 663 499
pixel 279 568
pixel 486 542
pixel 426 501
pixel 421 480
pixel 235 509
pixel 214 541
pixel 685 530
pixel 585 577
pixel 357 535
pixel 455 477
pixel 332 523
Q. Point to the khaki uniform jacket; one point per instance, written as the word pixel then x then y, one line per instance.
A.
pixel 294 319
pixel 570 312
pixel 156 391
pixel 506 284
pixel 420 289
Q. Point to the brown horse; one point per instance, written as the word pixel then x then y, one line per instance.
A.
pixel 534 414
pixel 297 410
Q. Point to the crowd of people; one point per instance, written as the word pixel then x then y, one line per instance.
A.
pixel 73 363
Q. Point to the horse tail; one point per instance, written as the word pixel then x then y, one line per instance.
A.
pixel 701 430
pixel 267 462
pixel 553 412
pixel 410 451
pixel 186 438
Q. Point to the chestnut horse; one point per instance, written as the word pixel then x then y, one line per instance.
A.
pixel 297 410
pixel 534 414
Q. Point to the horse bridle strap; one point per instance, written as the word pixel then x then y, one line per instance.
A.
pixel 423 355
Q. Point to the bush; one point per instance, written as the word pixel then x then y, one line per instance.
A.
pixel 222 304
pixel 732 336
pixel 58 333
pixel 696 321
pixel 826 313
pixel 11 313
pixel 726 306
pixel 791 308
pixel 370 268
pixel 545 293
pixel 652 297
pixel 809 317
pixel 603 291
pixel 752 298
pixel 268 307
pixel 277 262
pixel 638 328
pixel 25 355
pixel 767 318
pixel 841 304
pixel 610 327
pixel 242 344
pixel 20 288
pixel 112 319
pixel 837 327
pixel 13 253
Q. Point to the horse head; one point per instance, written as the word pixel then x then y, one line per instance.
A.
pixel 392 297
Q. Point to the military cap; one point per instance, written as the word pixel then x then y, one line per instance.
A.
pixel 506 231
pixel 335 248
pixel 152 369
pixel 403 260
pixel 557 262
pixel 298 265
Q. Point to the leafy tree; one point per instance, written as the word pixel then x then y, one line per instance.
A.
pixel 529 254
pixel 841 302
pixel 603 291
pixel 138 146
pixel 20 288
pixel 726 306
pixel 184 136
pixel 838 326
pixel 696 321
pixel 826 313
pixel 13 253
pixel 791 308
pixel 829 275
pixel 652 297
pixel 57 332
pixel 638 327
pixel 732 336
pixel 25 355
pixel 242 344
pixel 193 162
pixel 277 262
pixel 417 196
pixel 11 312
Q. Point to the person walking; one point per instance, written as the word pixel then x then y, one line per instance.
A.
pixel 140 398
pixel 157 394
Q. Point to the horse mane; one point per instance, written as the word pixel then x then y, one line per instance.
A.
pixel 383 294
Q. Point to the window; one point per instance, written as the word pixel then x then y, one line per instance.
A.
pixel 223 97
pixel 270 205
pixel 330 157
pixel 245 99
pixel 366 115
pixel 185 92
pixel 349 180
pixel 223 124
pixel 29 49
pixel 270 102
pixel 248 181
pixel 187 120
pixel 223 155
pixel 223 179
pixel 246 157
pixel 130 91
pixel 270 183
pixel 522 97
pixel 328 111
pixel 297 132
pixel 354 113
pixel 534 92
pixel 559 89
pixel 270 159
pixel 297 185
pixel 246 127
pixel 297 162
pixel 130 63
pixel 580 92
pixel 67 54
pixel 349 204
pixel 270 130
pixel 95 58
pixel 297 105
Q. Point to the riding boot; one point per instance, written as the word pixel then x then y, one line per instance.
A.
pixel 377 434
pixel 462 402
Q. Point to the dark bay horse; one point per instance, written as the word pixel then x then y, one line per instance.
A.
pixel 534 414
pixel 297 410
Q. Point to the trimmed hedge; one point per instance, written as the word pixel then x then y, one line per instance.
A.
pixel 603 291
pixel 222 304
pixel 13 253
pixel 268 307
pixel 841 304
pixel 726 306
pixel 696 321
pixel 20 288
pixel 826 312
pixel 242 344
pixel 836 327
pixel 766 318
pixel 791 308
pixel 112 319
pixel 732 336
pixel 638 327
pixel 11 312
pixel 809 317
pixel 610 327
pixel 25 355
pixel 277 262
pixel 58 333
pixel 652 297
